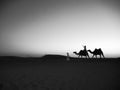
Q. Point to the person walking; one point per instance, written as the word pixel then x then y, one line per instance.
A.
pixel 68 57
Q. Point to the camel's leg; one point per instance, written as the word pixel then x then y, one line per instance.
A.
pixel 81 56
pixel 103 55
pixel 96 56
pixel 88 56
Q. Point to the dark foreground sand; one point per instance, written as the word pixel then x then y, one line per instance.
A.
pixel 69 75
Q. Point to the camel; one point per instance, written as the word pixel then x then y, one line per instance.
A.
pixel 97 52
pixel 82 53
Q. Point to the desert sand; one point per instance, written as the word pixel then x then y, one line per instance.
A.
pixel 56 73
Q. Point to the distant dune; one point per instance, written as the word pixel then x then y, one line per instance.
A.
pixel 56 59
pixel 53 57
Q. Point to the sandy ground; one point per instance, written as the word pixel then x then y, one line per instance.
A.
pixel 59 76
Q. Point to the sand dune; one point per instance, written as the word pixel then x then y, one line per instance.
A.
pixel 47 74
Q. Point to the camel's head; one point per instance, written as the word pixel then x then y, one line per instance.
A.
pixel 75 52
pixel 89 50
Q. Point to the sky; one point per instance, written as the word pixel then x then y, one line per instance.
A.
pixel 39 27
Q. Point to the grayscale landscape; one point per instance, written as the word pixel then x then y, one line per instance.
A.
pixel 59 44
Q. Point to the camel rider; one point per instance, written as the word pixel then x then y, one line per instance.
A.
pixel 85 48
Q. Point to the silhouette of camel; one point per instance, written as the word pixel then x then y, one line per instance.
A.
pixel 97 52
pixel 82 53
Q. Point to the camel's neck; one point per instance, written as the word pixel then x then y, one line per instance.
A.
pixel 76 53
pixel 90 51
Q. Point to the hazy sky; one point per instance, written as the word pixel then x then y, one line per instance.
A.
pixel 37 27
